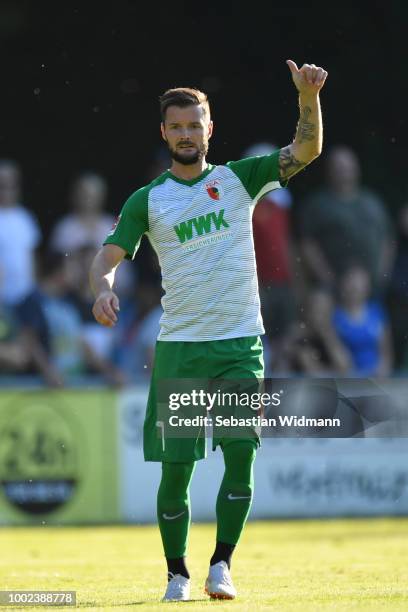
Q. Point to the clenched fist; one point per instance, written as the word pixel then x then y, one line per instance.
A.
pixel 105 308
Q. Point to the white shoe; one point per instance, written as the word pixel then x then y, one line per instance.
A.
pixel 219 583
pixel 178 589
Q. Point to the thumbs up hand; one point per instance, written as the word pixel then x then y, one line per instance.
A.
pixel 309 79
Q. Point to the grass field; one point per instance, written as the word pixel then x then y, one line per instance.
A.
pixel 290 565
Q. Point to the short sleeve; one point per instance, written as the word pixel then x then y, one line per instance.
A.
pixel 131 224
pixel 259 174
pixel 379 212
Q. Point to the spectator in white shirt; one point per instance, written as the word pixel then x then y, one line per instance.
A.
pixel 19 237
pixel 87 223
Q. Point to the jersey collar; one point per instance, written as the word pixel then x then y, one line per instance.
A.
pixel 193 181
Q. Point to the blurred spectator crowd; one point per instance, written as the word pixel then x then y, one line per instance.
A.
pixel 332 272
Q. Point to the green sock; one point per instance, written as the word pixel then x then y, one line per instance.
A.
pixel 235 494
pixel 173 507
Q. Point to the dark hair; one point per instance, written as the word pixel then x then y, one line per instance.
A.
pixel 181 97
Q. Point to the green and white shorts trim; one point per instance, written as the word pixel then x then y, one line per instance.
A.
pixel 236 358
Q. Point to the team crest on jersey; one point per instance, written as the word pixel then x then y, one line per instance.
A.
pixel 114 226
pixel 214 189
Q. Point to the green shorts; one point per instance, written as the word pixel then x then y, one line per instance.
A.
pixel 236 358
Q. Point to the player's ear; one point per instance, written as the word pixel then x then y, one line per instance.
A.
pixel 210 129
pixel 163 133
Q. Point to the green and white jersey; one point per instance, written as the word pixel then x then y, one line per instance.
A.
pixel 201 231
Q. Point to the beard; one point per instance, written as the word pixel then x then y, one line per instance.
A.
pixel 188 159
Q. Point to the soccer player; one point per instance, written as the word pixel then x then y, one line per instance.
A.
pixel 197 217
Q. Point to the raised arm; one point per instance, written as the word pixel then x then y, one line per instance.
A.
pixel 307 145
pixel 101 277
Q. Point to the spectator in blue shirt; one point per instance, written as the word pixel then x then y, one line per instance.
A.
pixel 362 325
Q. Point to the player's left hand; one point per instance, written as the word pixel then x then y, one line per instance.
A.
pixel 309 79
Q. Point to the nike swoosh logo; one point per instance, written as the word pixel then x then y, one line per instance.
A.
pixel 232 497
pixel 170 518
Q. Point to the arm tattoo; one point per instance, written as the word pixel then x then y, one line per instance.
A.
pixel 305 129
pixel 288 164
